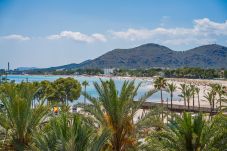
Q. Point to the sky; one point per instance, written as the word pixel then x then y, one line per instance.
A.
pixel 44 33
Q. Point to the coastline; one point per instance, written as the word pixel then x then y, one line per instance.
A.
pixel 202 84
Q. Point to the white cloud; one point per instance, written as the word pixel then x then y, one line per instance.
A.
pixel 77 36
pixel 16 37
pixel 204 31
pixel 209 27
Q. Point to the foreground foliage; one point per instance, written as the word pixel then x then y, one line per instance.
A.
pixel 191 133
pixel 111 121
pixel 115 111
pixel 18 119
pixel 70 133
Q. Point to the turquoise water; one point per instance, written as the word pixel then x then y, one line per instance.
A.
pixel 90 89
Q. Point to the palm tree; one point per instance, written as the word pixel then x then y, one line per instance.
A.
pixel 220 90
pixel 70 133
pixel 209 96
pixel 191 133
pixel 18 118
pixel 214 93
pixel 197 90
pixel 188 95
pixel 85 84
pixel 192 87
pixel 160 83
pixel 115 111
pixel 183 88
pixel 171 88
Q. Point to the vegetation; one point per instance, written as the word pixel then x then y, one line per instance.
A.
pixel 85 84
pixel 116 112
pixel 110 122
pixel 183 88
pixel 60 72
pixel 18 119
pixel 65 90
pixel 186 72
pixel 171 87
pixel 225 74
pixel 197 90
pixel 78 135
pixel 191 133
pixel 160 84
pixel 195 73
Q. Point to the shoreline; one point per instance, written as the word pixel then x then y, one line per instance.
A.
pixel 147 83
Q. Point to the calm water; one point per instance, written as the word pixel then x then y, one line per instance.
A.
pixel 90 89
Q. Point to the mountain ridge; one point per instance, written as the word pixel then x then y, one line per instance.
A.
pixel 152 55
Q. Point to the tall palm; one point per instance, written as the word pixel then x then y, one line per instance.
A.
pixel 209 96
pixel 197 90
pixel 183 88
pixel 191 133
pixel 70 133
pixel 214 93
pixel 192 87
pixel 85 84
pixel 220 90
pixel 188 95
pixel 18 118
pixel 171 88
pixel 160 83
pixel 115 111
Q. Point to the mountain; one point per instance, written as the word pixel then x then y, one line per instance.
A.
pixel 207 56
pixel 154 55
pixel 144 56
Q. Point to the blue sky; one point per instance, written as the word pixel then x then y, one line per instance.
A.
pixel 45 33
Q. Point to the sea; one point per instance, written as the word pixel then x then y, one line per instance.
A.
pixel 146 84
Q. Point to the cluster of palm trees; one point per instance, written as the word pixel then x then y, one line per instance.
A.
pixel 109 122
pixel 216 95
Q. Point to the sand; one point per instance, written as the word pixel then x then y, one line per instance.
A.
pixel 202 84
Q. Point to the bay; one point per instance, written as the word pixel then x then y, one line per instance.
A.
pixel 145 86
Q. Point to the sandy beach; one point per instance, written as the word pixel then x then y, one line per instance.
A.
pixel 202 84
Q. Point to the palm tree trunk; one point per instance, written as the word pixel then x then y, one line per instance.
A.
pixel 213 105
pixel 210 110
pixel 198 102
pixel 161 97
pixel 171 97
pixel 220 102
pixel 193 99
pixel 188 103
pixel 162 103
pixel 84 96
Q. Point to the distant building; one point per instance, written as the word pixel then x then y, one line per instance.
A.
pixel 108 71
pixel 8 67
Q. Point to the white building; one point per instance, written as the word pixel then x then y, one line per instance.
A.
pixel 108 71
